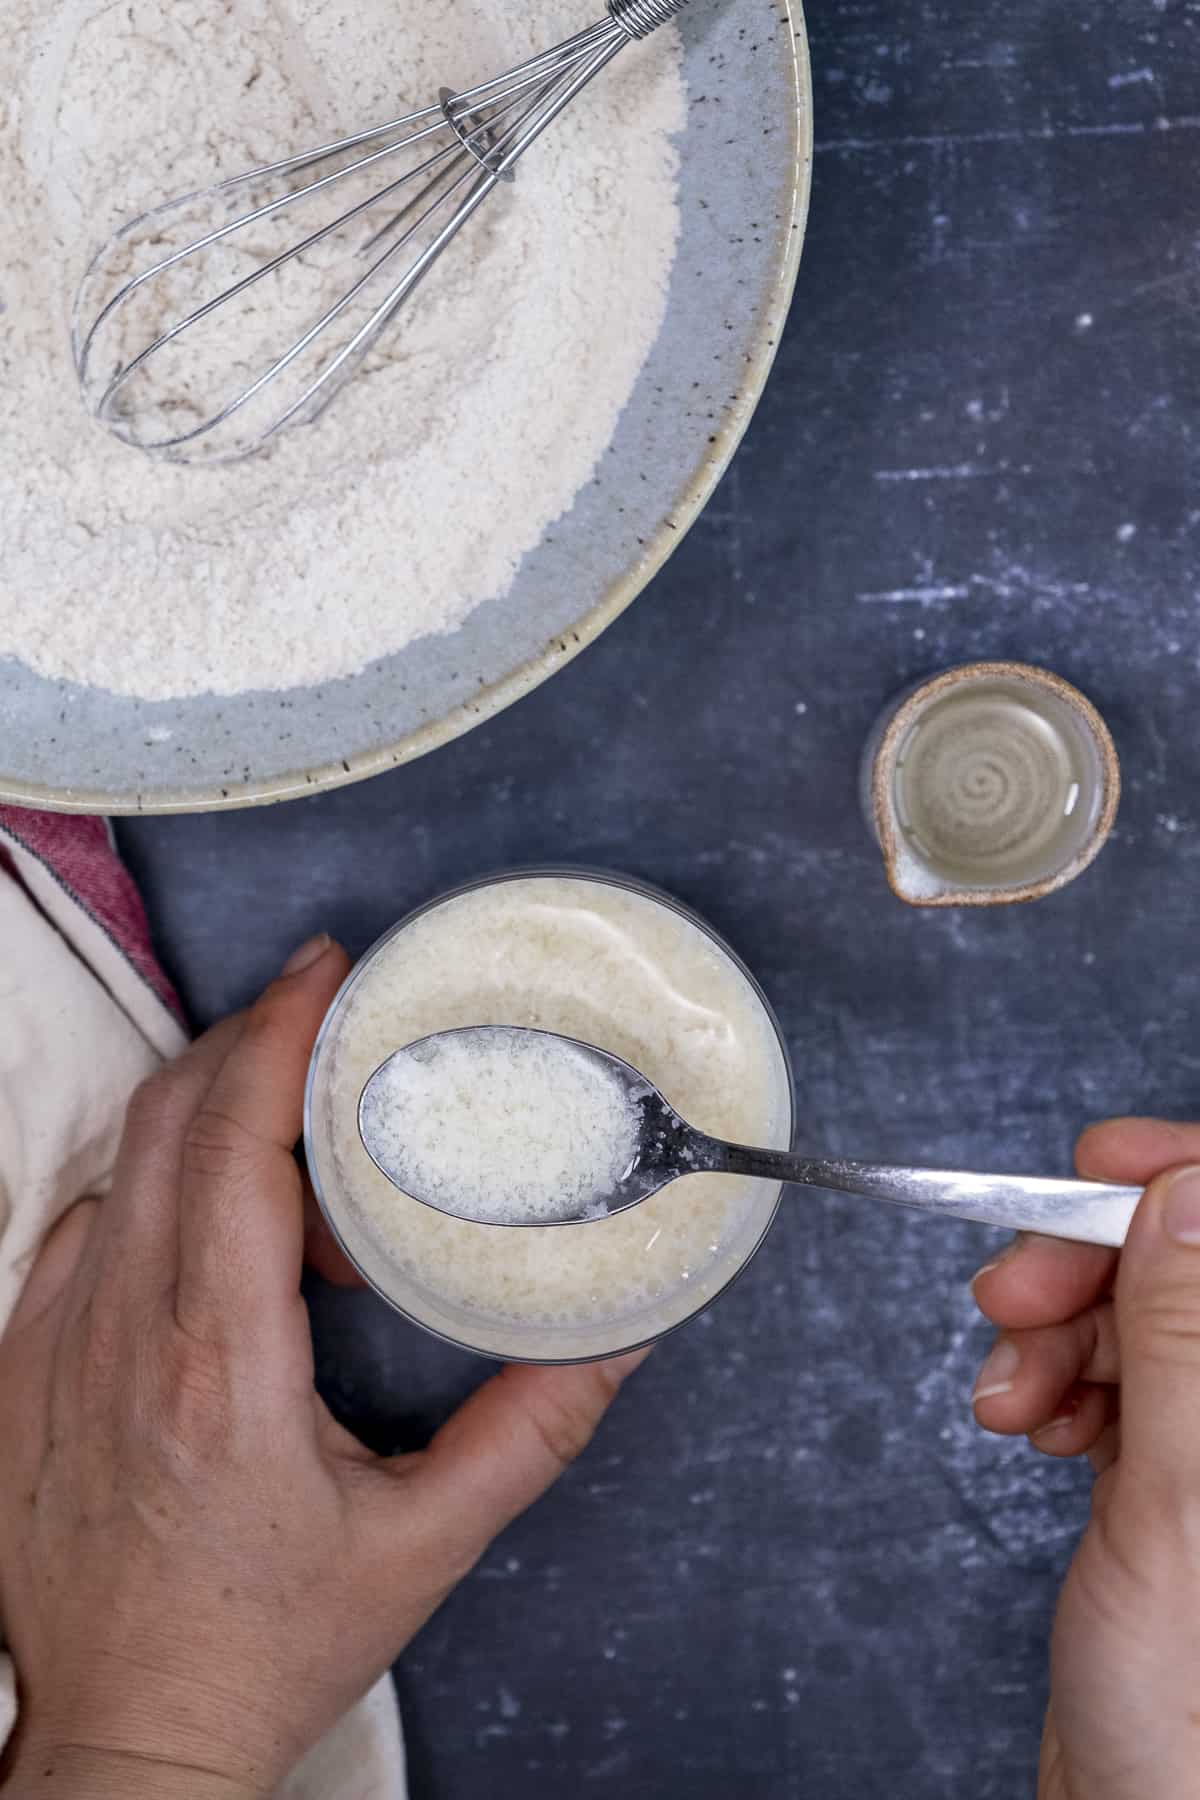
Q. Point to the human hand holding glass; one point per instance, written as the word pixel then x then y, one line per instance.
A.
pixel 200 1570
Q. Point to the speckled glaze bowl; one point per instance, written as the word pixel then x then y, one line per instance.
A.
pixel 1015 775
pixel 744 194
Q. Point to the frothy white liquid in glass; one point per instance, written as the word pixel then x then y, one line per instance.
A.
pixel 609 966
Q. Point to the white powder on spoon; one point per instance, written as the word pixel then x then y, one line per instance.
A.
pixel 419 493
pixel 503 1126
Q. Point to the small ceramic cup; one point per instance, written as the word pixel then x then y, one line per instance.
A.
pixel 988 784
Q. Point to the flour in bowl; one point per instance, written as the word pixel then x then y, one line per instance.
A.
pixel 417 496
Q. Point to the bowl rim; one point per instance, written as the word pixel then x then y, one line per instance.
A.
pixel 497 878
pixel 502 693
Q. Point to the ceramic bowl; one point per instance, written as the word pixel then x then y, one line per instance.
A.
pixel 990 783
pixel 744 197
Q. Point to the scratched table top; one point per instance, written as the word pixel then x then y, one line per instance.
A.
pixel 790 1566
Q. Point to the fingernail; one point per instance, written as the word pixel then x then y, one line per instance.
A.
pixel 1181 1208
pixel 996 1262
pixel 996 1375
pixel 307 954
pixel 1054 1427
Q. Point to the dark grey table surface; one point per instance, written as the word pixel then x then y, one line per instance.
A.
pixel 790 1566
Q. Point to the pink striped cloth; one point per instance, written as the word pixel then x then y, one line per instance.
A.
pixel 79 856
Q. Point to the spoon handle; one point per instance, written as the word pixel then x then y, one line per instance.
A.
pixel 1090 1212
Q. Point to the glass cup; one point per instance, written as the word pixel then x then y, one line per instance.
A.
pixel 598 957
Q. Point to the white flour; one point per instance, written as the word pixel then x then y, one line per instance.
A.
pixel 502 1127
pixel 417 496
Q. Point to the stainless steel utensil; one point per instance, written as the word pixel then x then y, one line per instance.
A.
pixel 287 351
pixel 668 1147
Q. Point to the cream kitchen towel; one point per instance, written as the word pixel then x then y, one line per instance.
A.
pixel 85 1014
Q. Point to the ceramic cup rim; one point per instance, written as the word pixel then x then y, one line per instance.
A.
pixel 925 693
pixel 558 871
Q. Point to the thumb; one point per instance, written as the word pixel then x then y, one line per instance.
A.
pixel 1158 1322
pixel 498 1454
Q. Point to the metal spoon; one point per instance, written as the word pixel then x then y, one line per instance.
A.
pixel 668 1147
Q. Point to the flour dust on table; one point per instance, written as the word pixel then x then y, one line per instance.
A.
pixel 479 420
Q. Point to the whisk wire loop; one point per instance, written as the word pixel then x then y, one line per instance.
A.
pixel 465 145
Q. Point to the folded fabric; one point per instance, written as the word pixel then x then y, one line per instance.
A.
pixel 86 1013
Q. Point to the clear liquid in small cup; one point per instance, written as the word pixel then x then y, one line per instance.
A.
pixel 996 785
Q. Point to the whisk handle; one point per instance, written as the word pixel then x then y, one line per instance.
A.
pixel 638 18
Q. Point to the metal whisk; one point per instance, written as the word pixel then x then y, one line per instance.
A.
pixel 145 339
